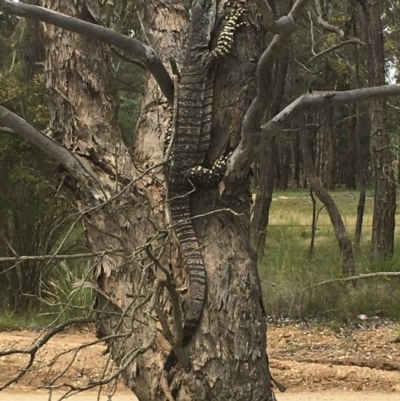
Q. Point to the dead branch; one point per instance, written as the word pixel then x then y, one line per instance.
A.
pixel 8 131
pixel 324 24
pixel 281 26
pixel 43 142
pixel 23 258
pixel 139 50
pixel 127 359
pixel 345 39
pixel 353 41
pixel 323 99
pixel 32 351
pixel 175 341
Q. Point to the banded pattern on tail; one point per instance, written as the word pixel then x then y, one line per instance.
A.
pixel 190 144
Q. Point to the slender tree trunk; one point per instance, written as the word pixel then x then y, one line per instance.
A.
pixel 322 194
pixel 263 200
pixel 350 162
pixel 294 146
pixel 330 150
pixel 267 166
pixel 231 339
pixel 318 140
pixel 382 242
pixel 275 155
pixel 361 181
pixel 313 224
pixel 286 155
pixel 359 158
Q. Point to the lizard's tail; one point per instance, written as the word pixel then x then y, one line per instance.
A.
pixel 197 288
pixel 189 328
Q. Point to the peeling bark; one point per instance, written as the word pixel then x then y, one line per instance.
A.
pixel 228 353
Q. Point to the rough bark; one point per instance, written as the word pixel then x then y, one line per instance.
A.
pixel 33 50
pixel 382 241
pixel 83 118
pixel 228 354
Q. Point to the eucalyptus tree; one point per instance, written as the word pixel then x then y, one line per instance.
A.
pixel 119 192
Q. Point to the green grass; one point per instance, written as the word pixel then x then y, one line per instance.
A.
pixel 9 321
pixel 289 277
pixel 60 300
pixel 65 300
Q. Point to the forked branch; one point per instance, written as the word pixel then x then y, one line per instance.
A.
pixel 34 348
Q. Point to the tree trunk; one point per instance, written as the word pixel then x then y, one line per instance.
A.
pixel 360 163
pixel 361 180
pixel 294 145
pixel 263 200
pixel 285 165
pixel 267 166
pixel 350 164
pixel 228 354
pixel 322 194
pixel 330 150
pixel 382 242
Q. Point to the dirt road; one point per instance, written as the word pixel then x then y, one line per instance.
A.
pixel 315 364
pixel 125 396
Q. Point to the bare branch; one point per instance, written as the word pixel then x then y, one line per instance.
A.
pixel 346 39
pixel 328 27
pixel 139 50
pixel 353 41
pixel 43 142
pixel 323 99
pixel 283 25
pixel 38 345
pixel 8 131
pixel 17 258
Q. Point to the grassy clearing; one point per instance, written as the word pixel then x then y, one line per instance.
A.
pixel 289 276
pixel 32 320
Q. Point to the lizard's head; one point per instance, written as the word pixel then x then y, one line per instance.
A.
pixel 203 17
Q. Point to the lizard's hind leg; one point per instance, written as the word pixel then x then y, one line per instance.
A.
pixel 202 177
pixel 226 38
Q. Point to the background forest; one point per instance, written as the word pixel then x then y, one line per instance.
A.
pixel 303 257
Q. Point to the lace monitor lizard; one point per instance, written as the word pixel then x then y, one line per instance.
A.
pixel 189 147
